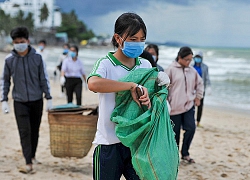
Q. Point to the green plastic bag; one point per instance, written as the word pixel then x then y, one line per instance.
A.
pixel 148 133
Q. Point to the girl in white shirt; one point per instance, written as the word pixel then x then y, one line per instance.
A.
pixel 71 74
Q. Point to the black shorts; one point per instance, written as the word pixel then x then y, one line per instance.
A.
pixel 110 162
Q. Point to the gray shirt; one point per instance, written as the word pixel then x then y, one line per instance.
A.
pixel 29 75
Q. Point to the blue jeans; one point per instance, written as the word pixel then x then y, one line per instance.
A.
pixel 185 120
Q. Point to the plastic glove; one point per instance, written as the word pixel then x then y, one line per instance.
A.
pixel 208 90
pixel 169 108
pixel 163 79
pixel 62 80
pixel 5 107
pixel 49 104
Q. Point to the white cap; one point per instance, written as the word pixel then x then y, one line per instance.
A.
pixel 199 53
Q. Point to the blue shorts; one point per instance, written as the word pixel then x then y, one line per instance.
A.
pixel 110 162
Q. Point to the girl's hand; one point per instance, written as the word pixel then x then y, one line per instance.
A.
pixel 197 102
pixel 143 99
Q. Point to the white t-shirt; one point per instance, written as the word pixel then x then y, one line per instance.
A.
pixel 43 53
pixel 110 68
pixel 73 68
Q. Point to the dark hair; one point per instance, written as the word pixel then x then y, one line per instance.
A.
pixel 66 44
pixel 19 32
pixel 154 46
pixel 129 24
pixel 183 52
pixel 76 48
pixel 42 41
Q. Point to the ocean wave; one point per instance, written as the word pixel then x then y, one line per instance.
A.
pixel 234 80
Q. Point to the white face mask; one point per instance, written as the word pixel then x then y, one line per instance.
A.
pixel 154 57
pixel 21 47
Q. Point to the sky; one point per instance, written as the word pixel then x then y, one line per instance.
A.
pixel 222 23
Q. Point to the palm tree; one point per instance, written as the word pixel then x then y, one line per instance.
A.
pixel 44 13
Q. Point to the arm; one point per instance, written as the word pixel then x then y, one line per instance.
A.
pixel 83 74
pixel 199 89
pixel 84 77
pixel 208 83
pixel 5 83
pixel 62 73
pixel 102 85
pixel 44 80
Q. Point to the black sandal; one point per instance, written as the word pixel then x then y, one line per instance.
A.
pixel 188 159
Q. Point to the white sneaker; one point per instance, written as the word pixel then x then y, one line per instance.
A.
pixel 26 169
pixel 34 161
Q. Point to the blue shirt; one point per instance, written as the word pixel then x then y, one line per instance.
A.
pixel 198 69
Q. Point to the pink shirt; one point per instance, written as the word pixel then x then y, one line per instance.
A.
pixel 186 86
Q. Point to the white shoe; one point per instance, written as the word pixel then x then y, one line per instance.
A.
pixel 26 169
pixel 34 161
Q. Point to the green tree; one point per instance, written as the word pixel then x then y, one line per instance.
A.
pixel 44 13
pixel 21 20
pixel 7 23
pixel 29 22
pixel 74 27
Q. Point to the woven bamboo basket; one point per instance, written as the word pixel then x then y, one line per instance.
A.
pixel 72 133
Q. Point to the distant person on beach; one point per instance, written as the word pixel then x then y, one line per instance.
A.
pixel 30 80
pixel 42 49
pixel 185 93
pixel 154 51
pixel 202 70
pixel 146 55
pixel 61 58
pixel 72 73
pixel 111 159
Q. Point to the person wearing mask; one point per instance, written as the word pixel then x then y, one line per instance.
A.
pixel 154 51
pixel 185 93
pixel 72 73
pixel 202 70
pixel 30 81
pixel 62 56
pixel 146 55
pixel 111 159
pixel 42 49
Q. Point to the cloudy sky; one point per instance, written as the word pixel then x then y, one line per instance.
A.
pixel 196 22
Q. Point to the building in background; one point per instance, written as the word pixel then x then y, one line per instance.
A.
pixel 34 6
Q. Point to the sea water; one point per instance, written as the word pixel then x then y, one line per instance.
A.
pixel 229 70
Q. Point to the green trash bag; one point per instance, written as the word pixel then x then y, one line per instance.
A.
pixel 148 133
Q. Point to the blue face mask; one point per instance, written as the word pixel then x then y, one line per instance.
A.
pixel 72 54
pixel 197 59
pixel 65 51
pixel 41 47
pixel 133 49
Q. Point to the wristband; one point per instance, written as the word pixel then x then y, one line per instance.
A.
pixel 133 86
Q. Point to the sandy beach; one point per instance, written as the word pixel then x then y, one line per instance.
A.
pixel 221 148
